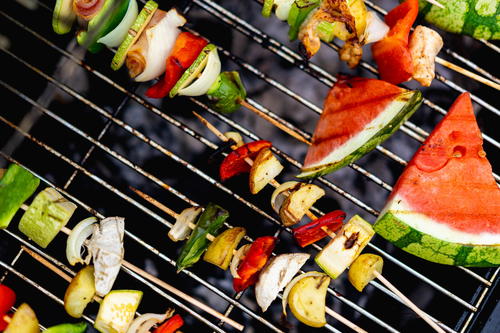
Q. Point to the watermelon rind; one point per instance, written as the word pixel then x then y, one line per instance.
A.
pixel 395 114
pixel 392 226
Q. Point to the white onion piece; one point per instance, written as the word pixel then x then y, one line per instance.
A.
pixel 283 8
pixel 375 30
pixel 116 36
pixel 209 75
pixel 181 229
pixel 279 197
pixel 145 322
pixel 284 300
pixel 75 241
pixel 161 39
pixel 237 258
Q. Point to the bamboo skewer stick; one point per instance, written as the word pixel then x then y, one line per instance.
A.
pixel 409 303
pixel 435 3
pixel 467 73
pixel 344 321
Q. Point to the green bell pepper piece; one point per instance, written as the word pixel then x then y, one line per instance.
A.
pixel 227 92
pixel 267 8
pixel 67 328
pixel 209 222
pixel 110 15
pixel 16 186
pixel 298 13
pixel 46 215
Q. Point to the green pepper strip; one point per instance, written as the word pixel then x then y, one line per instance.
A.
pixel 209 222
pixel 67 328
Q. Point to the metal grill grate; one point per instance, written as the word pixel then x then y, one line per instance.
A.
pixel 110 126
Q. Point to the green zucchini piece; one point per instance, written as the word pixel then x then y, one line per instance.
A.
pixel 227 92
pixel 63 17
pixel 16 186
pixel 46 215
pixel 326 31
pixel 193 71
pixel 298 14
pixel 267 8
pixel 134 32
pixel 110 15
pixel 67 328
pixel 117 311
pixel 209 222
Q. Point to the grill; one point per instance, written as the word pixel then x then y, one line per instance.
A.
pixel 89 133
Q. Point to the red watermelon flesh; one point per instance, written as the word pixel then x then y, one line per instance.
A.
pixel 358 114
pixel 450 179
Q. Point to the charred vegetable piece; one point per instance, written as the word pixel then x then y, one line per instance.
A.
pixel 314 230
pixel 117 311
pixel 298 14
pixel 80 292
pixel 63 17
pixel 209 223
pixel 109 16
pixel 23 321
pixel 7 300
pixel 106 247
pixel 67 328
pixel 235 163
pixel 264 169
pixel 276 275
pixel 16 186
pixel 281 193
pixel 182 227
pixel 193 71
pixel 227 92
pixel 345 247
pixel 254 261
pixel 186 49
pixel 391 54
pixel 134 32
pixel 362 270
pixel 46 215
pixel 307 300
pixel 298 203
pixel 171 325
pixel 221 250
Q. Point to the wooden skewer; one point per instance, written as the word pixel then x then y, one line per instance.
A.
pixel 345 321
pixel 435 3
pixel 409 303
pixel 467 73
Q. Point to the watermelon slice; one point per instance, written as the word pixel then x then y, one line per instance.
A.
pixel 445 207
pixel 359 114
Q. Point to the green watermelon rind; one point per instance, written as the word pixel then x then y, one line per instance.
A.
pixel 433 249
pixel 406 111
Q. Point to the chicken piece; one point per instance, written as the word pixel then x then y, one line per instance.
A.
pixel 106 247
pixel 424 45
pixel 351 52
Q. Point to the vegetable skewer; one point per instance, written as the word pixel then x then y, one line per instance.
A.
pixel 170 288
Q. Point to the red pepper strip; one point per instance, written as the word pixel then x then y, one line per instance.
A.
pixel 171 325
pixel 234 163
pixel 313 231
pixel 7 300
pixel 254 261
pixel 391 53
pixel 185 51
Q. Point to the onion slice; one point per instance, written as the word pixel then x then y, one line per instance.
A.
pixel 181 229
pixel 209 75
pixel 280 194
pixel 283 8
pixel 237 258
pixel 284 300
pixel 116 36
pixel 145 322
pixel 375 30
pixel 75 241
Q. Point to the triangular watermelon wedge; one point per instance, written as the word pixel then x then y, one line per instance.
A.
pixel 445 207
pixel 359 114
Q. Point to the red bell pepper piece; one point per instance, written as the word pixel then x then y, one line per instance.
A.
pixel 313 231
pixel 254 261
pixel 171 325
pixel 391 53
pixel 235 163
pixel 7 300
pixel 185 51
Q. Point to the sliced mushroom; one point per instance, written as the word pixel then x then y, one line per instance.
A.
pixel 299 202
pixel 264 169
